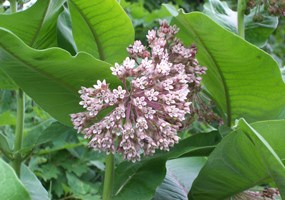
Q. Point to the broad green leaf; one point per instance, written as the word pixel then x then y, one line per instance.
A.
pixel 180 174
pixel 33 185
pixel 6 82
pixel 64 32
pixel 237 162
pixel 131 179
pixel 36 26
pixel 11 187
pixel 275 167
pixel 101 28
pixel 243 80
pixel 52 77
pixel 255 32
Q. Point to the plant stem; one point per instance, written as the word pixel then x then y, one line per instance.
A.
pixel 19 132
pixel 241 11
pixel 13 6
pixel 17 160
pixel 109 177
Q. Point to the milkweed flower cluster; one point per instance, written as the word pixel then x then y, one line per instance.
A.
pixel 149 111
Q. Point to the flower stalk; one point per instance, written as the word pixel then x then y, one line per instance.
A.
pixel 17 158
pixel 13 6
pixel 19 132
pixel 241 12
pixel 109 177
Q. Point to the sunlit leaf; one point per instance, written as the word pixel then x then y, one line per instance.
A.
pixel 101 28
pixel 52 77
pixel 244 80
pixel 36 26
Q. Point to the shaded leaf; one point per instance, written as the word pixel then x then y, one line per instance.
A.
pixel 52 77
pixel 179 177
pixel 255 32
pixel 237 162
pixel 79 187
pixel 4 145
pixel 48 171
pixel 131 178
pixel 46 132
pixel 64 32
pixel 10 186
pixel 33 185
pixel 275 167
pixel 101 28
pixel 32 136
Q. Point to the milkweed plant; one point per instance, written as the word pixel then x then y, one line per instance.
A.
pixel 193 108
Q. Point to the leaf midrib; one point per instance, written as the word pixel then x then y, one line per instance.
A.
pixel 95 35
pixel 67 86
pixel 179 184
pixel 40 26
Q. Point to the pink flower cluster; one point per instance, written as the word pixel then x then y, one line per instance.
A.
pixel 149 111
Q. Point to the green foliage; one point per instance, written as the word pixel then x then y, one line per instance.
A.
pixel 10 186
pixel 64 32
pixel 179 177
pixel 38 31
pixel 101 28
pixel 6 82
pixel 4 146
pixel 33 185
pixel 255 32
pixel 131 179
pixel 143 19
pixel 242 160
pixel 243 81
pixel 276 45
pixel 53 48
pixel 62 159
pixel 7 118
pixel 54 82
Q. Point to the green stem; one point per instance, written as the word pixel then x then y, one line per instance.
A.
pixel 241 11
pixel 13 6
pixel 17 160
pixel 109 177
pixel 19 132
